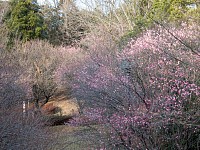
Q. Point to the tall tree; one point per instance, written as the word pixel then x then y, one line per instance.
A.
pixel 66 24
pixel 25 21
pixel 4 7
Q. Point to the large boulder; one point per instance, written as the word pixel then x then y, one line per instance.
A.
pixel 59 112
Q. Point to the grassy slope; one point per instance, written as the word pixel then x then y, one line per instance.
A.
pixel 68 137
pixel 73 138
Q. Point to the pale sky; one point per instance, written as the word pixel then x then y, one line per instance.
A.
pixel 85 4
pixel 78 2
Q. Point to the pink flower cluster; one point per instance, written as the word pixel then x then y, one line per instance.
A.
pixel 147 92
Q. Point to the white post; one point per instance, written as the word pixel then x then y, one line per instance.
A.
pixel 24 108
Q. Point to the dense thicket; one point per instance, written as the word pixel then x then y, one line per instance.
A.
pixel 133 68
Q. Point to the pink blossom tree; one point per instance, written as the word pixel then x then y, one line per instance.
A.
pixel 149 92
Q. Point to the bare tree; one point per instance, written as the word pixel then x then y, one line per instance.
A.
pixel 17 131
pixel 39 60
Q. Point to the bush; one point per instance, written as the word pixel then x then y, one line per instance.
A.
pixel 18 130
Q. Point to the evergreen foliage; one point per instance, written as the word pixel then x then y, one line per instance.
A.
pixel 172 10
pixel 25 21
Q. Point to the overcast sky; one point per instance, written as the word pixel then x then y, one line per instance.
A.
pixel 80 3
pixel 83 3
